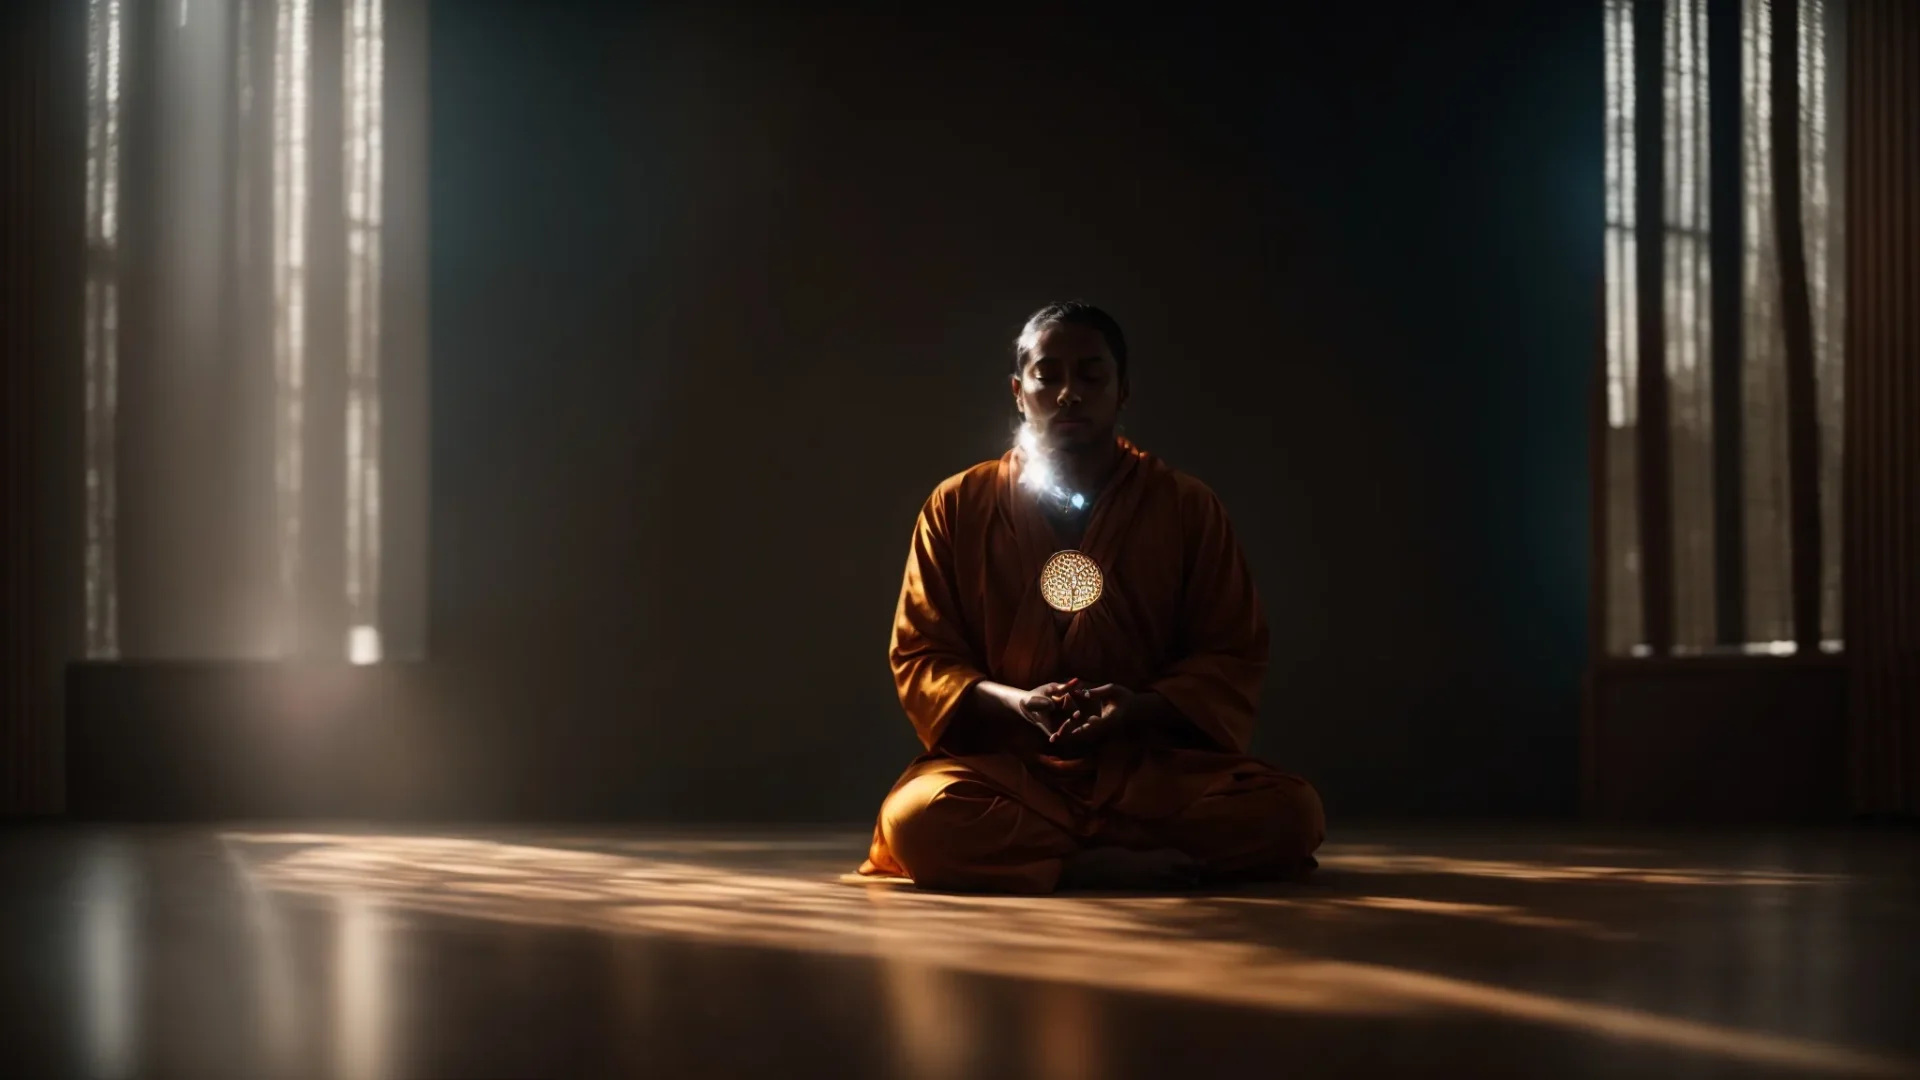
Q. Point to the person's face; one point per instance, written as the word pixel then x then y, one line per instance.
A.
pixel 1069 388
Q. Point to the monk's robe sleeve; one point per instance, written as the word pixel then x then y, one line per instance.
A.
pixel 1221 644
pixel 933 665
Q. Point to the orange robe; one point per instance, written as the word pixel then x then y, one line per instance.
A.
pixel 991 804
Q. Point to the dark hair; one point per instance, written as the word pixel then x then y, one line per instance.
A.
pixel 1076 313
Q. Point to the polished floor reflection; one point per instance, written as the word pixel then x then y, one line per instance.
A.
pixel 355 952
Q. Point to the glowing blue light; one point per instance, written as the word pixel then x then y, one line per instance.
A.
pixel 1079 501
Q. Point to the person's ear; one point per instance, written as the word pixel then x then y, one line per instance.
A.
pixel 1013 383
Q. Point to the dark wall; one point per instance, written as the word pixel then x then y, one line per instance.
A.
pixel 42 204
pixel 718 300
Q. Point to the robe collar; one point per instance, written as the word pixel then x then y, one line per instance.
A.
pixel 1037 648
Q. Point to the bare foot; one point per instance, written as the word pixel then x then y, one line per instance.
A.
pixel 1128 868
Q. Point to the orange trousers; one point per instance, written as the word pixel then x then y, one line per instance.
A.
pixel 952 829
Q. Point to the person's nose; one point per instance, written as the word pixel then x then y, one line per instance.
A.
pixel 1069 394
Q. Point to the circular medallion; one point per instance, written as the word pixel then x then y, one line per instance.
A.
pixel 1070 581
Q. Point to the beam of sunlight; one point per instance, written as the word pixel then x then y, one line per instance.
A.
pixel 292 73
pixel 1535 871
pixel 101 336
pixel 1154 945
pixel 1621 253
pixel 1504 914
pixel 1501 914
pixel 364 76
pixel 1687 288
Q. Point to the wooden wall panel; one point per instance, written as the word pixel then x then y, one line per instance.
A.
pixel 1881 543
pixel 24 748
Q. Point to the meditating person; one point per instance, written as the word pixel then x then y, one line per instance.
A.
pixel 1080 648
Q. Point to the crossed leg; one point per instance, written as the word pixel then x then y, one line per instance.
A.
pixel 953 830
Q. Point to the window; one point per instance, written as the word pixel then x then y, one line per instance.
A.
pixel 1743 466
pixel 284 514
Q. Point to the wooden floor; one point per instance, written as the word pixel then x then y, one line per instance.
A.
pixel 267 952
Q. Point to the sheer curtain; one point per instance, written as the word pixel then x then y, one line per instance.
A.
pixel 1769 546
pixel 254 359
pixel 1686 292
